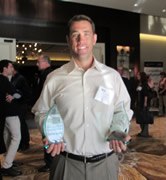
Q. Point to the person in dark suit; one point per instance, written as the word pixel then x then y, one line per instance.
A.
pixel 133 93
pixel 22 87
pixel 44 67
pixel 126 80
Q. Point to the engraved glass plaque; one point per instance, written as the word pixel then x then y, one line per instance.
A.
pixel 116 135
pixel 53 126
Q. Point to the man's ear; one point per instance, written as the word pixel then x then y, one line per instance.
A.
pixel 95 39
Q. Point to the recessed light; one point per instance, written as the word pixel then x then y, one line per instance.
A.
pixel 135 5
pixel 164 10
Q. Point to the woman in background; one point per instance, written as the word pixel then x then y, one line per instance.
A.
pixel 143 116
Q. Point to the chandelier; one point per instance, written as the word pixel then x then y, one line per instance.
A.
pixel 27 51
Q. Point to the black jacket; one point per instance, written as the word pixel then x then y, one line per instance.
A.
pixel 22 87
pixel 7 109
pixel 38 86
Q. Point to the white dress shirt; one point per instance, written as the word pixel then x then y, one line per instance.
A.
pixel 87 101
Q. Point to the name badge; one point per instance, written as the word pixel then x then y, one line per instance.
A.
pixel 104 95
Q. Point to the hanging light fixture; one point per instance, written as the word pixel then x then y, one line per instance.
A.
pixel 27 51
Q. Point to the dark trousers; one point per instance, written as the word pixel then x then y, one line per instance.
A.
pixel 25 136
pixel 48 159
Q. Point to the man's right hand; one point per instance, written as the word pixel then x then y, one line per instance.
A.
pixel 54 149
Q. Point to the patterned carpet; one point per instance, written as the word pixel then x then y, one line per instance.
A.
pixel 31 160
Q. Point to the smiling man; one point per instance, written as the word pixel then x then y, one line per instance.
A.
pixel 87 94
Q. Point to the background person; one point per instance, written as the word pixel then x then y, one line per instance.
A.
pixel 87 93
pixel 44 67
pixel 22 87
pixel 144 96
pixel 126 79
pixel 9 112
pixel 133 92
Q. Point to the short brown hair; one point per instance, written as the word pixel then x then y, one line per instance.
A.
pixel 81 17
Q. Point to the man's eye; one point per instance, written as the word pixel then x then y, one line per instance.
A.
pixel 75 35
pixel 87 34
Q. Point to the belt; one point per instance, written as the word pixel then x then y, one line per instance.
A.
pixel 87 159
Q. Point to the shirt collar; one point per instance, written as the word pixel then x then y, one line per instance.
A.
pixel 73 66
pixel 97 65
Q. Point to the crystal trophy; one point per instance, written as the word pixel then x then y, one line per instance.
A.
pixel 117 135
pixel 119 122
pixel 53 127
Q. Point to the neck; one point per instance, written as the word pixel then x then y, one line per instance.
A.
pixel 84 64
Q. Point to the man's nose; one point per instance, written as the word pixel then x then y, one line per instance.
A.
pixel 80 37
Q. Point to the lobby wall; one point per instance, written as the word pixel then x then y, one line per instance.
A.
pixel 154 48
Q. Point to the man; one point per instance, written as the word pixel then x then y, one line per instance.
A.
pixel 22 87
pixel 44 67
pixel 86 93
pixel 126 79
pixel 10 113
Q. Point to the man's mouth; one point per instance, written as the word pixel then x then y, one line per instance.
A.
pixel 81 47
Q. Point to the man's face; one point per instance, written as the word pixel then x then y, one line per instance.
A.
pixel 138 76
pixel 41 63
pixel 81 39
pixel 9 70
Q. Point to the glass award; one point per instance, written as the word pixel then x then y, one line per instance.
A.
pixel 120 122
pixel 117 135
pixel 53 127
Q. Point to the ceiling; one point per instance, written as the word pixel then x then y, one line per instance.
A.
pixel 150 7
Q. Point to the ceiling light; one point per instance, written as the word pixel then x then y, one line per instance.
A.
pixel 40 50
pixel 164 10
pixel 135 5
